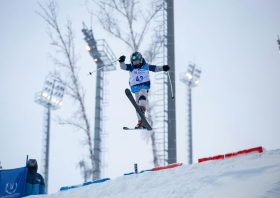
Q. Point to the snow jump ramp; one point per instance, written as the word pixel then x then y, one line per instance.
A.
pixel 246 176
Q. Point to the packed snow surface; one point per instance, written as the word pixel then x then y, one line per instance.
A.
pixel 253 175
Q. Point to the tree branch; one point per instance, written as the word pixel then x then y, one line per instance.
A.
pixel 65 44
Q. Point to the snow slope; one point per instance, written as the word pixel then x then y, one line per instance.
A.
pixel 253 175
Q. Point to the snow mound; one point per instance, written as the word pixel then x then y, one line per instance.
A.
pixel 253 175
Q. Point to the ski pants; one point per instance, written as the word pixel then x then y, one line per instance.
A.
pixel 142 100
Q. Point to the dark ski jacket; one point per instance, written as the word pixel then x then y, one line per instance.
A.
pixel 144 66
pixel 35 184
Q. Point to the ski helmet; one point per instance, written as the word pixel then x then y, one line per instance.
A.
pixel 136 59
pixel 32 162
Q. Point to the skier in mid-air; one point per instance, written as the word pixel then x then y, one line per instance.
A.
pixel 139 81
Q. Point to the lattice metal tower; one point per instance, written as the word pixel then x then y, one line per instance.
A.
pixel 172 142
pixel 51 98
pixel 165 108
pixel 191 79
pixel 102 55
pixel 160 113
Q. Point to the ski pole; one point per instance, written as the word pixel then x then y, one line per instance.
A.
pixel 90 73
pixel 172 96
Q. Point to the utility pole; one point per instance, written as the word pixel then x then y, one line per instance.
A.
pixel 51 98
pixel 172 153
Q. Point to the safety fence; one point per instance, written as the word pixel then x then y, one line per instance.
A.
pixel 84 184
pixel 106 179
pixel 157 168
pixel 229 155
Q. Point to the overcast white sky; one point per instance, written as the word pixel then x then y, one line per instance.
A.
pixel 236 105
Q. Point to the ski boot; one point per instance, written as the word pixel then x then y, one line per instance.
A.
pixel 140 125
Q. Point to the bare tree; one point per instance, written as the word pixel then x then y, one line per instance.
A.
pixel 64 44
pixel 119 18
pixel 155 45
pixel 85 170
pixel 123 26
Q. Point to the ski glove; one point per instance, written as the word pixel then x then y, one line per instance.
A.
pixel 122 59
pixel 165 67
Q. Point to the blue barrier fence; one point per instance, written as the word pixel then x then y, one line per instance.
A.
pixel 97 181
pixel 140 172
pixel 84 184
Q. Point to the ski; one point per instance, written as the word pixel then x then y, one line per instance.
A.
pixel 126 128
pixel 143 119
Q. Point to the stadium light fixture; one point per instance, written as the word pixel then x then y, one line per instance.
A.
pixel 191 79
pixel 102 56
pixel 189 76
pixel 88 48
pixel 50 97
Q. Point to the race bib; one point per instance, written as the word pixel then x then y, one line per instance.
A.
pixel 138 76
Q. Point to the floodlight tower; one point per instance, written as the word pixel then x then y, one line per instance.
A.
pixel 191 79
pixel 102 55
pixel 278 41
pixel 51 98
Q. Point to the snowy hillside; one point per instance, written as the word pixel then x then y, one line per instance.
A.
pixel 254 175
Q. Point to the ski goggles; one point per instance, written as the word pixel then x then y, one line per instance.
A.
pixel 136 62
